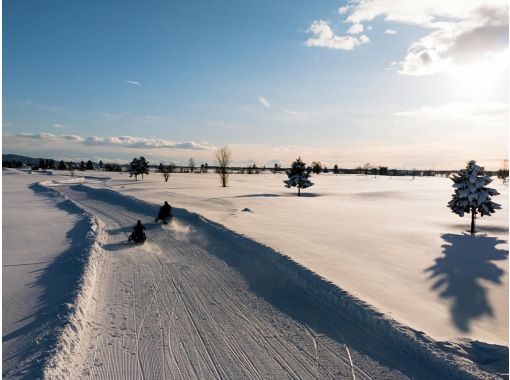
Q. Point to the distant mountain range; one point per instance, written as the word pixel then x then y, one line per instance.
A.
pixel 24 159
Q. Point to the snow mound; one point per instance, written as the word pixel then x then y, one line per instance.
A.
pixel 71 335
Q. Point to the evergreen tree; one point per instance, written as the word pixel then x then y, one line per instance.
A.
pixel 206 167
pixel 89 166
pixel 138 166
pixel 101 164
pixel 335 169
pixel 471 195
pixel 62 165
pixel 144 166
pixel 325 170
pixel 298 176
pixel 82 166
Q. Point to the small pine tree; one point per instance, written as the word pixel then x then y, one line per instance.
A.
pixel 82 166
pixel 100 164
pixel 61 165
pixel 336 170
pixel 138 166
pixel 298 176
pixel 471 195
pixel 134 168
pixel 89 165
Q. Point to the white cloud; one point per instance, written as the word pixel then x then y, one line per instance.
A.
pixel 364 39
pixel 355 29
pixel 369 27
pixel 132 82
pixel 461 32
pixel 489 113
pixel 296 113
pixel 324 37
pixel 343 10
pixel 264 102
pixel 114 141
pixel 390 31
pixel 57 125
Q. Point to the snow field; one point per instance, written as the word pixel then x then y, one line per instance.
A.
pixel 115 333
pixel 391 242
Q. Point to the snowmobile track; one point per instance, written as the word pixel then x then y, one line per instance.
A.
pixel 174 308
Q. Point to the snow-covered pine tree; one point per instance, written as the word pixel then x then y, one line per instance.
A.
pixel 298 176
pixel 471 195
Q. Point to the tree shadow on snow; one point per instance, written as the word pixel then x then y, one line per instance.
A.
pixel 466 260
pixel 58 283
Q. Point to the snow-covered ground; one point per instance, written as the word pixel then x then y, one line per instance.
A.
pixel 43 237
pixel 390 241
pixel 199 301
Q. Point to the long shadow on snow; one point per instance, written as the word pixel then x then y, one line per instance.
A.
pixel 115 199
pixel 58 282
pixel 467 260
pixel 294 290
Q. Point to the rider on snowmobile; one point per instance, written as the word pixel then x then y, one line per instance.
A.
pixel 138 232
pixel 165 211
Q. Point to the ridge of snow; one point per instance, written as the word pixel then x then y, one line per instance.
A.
pixel 76 326
pixel 413 344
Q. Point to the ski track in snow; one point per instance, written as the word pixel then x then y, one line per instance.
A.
pixel 171 309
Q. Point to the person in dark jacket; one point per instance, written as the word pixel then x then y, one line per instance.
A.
pixel 165 211
pixel 138 232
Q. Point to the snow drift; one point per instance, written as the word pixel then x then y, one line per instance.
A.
pixel 75 324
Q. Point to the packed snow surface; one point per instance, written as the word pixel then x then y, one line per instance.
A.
pixel 200 301
pixel 390 241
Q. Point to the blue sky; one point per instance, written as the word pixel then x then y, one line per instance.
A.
pixel 364 81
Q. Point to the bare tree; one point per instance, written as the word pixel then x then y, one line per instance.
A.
pixel 223 159
pixel 503 172
pixel 191 164
pixel 366 167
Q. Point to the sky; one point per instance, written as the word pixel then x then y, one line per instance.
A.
pixel 399 83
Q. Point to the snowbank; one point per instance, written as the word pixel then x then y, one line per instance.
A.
pixel 76 327
pixel 412 344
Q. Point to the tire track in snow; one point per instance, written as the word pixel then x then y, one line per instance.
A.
pixel 175 306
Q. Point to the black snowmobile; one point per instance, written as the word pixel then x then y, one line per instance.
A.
pixel 165 213
pixel 138 234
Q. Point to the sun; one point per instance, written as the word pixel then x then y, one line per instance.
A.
pixel 481 80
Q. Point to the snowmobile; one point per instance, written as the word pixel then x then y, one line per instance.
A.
pixel 137 237
pixel 138 234
pixel 164 214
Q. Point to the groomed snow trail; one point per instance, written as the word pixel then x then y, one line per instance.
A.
pixel 172 309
